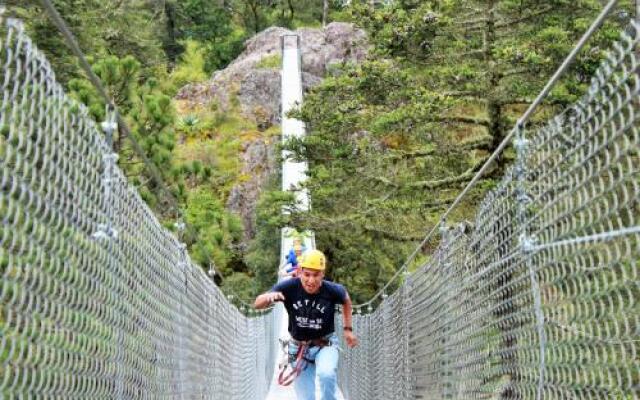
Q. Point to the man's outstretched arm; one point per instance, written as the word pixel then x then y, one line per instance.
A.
pixel 349 336
pixel 266 299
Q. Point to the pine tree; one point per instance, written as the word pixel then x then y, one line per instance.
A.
pixel 393 141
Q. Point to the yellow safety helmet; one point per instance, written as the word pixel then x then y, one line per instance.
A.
pixel 314 259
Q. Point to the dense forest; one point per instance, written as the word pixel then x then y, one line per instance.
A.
pixel 391 141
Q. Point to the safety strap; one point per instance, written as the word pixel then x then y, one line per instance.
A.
pixel 285 379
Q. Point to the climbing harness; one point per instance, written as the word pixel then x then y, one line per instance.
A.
pixel 296 363
pixel 289 371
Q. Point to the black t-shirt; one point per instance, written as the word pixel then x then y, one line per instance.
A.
pixel 310 315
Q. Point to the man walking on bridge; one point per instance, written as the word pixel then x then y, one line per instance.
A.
pixel 310 303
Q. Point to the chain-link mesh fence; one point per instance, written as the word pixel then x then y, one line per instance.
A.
pixel 97 299
pixel 539 298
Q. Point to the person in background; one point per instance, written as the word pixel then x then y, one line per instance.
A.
pixel 290 266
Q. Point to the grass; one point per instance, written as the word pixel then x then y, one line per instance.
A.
pixel 270 62
pixel 216 140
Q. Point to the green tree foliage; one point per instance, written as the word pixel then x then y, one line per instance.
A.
pixel 262 256
pixel 222 27
pixel 101 27
pixel 493 53
pixel 375 145
pixel 393 141
pixel 216 230
pixel 252 13
pixel 207 22
pixel 143 52
pixel 149 113
pixel 119 77
pixel 191 69
pixel 256 15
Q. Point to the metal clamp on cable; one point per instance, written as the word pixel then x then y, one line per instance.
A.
pixel 105 231
pixel 527 243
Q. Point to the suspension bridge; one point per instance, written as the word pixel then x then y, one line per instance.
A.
pixel 537 298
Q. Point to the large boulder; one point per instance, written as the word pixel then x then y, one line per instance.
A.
pixel 253 79
pixel 259 161
pixel 256 84
pixel 259 94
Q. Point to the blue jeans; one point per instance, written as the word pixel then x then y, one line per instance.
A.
pixel 325 367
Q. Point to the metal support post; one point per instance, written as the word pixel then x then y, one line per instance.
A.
pixel 527 241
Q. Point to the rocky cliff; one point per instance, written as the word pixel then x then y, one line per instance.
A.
pixel 252 81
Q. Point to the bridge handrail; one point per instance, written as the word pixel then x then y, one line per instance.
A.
pixel 97 298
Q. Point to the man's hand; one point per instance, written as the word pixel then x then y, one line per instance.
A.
pixel 274 296
pixel 351 339
pixel 266 299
